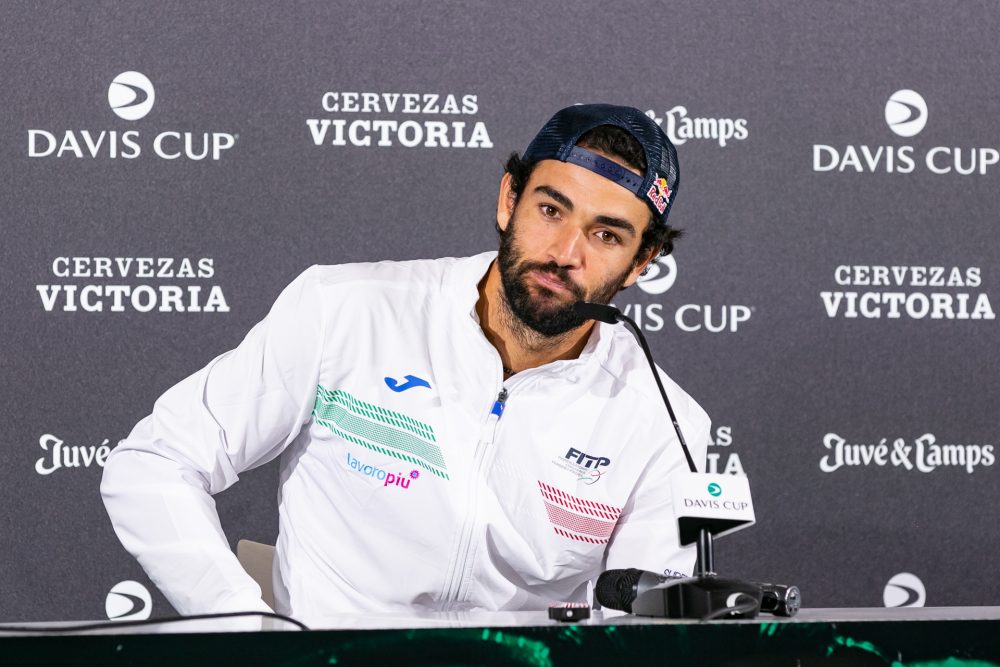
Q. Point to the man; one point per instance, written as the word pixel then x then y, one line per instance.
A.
pixel 452 435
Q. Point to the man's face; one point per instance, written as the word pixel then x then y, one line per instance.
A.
pixel 572 235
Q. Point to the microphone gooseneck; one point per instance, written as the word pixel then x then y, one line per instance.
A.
pixel 705 595
pixel 611 315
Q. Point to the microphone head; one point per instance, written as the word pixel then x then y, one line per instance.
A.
pixel 596 311
pixel 616 589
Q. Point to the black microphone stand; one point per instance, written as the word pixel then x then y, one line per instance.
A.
pixel 705 596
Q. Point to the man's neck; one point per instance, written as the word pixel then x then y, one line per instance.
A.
pixel 521 347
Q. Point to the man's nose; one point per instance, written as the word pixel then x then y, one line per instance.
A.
pixel 566 248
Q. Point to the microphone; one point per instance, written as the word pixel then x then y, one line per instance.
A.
pixel 597 311
pixel 611 315
pixel 780 600
pixel 618 589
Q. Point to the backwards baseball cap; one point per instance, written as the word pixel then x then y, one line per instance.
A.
pixel 657 187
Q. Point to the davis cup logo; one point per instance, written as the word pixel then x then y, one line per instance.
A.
pixel 128 601
pixel 660 277
pixel 906 113
pixel 131 95
pixel 904 590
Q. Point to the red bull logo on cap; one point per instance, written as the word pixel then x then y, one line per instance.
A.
pixel 659 194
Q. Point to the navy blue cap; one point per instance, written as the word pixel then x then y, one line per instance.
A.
pixel 558 139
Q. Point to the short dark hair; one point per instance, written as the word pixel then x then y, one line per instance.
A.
pixel 617 143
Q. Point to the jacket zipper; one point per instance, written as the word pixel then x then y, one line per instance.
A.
pixel 488 435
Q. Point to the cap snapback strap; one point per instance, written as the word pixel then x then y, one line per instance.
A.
pixel 607 168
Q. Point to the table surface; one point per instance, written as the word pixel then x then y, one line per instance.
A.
pixel 501 619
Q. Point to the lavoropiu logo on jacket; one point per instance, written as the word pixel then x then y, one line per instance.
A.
pixel 906 115
pixel 131 96
pixel 397 479
pixel 128 601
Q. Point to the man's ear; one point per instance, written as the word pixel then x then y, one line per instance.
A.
pixel 505 202
pixel 641 265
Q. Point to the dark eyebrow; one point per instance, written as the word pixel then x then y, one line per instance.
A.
pixel 617 223
pixel 555 194
pixel 607 220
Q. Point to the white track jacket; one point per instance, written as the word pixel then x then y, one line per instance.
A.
pixel 412 476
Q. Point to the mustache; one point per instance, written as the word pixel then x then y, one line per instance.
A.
pixel 553 269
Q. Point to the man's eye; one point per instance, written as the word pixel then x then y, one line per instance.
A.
pixel 549 211
pixel 608 237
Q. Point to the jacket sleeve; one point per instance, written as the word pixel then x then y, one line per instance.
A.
pixel 238 412
pixel 646 536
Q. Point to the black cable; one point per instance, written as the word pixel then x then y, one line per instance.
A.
pixel 659 384
pixel 748 607
pixel 110 625
pixel 611 315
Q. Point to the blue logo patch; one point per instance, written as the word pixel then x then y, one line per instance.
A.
pixel 411 382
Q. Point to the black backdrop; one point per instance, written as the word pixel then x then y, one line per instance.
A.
pixel 785 116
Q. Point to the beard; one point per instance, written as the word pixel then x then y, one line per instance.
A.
pixel 546 312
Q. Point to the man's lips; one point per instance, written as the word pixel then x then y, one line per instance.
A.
pixel 549 281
